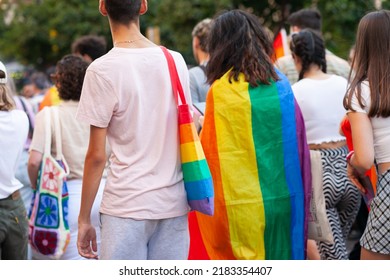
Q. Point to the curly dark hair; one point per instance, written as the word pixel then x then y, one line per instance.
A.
pixel 91 45
pixel 69 76
pixel 308 45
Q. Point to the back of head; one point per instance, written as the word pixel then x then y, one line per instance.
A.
pixel 308 46
pixel 40 80
pixel 6 100
pixel 239 42
pixel 70 73
pixel 91 45
pixel 123 11
pixel 306 18
pixel 202 31
pixel 371 60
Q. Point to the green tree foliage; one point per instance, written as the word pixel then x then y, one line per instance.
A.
pixel 41 31
pixel 340 21
pixel 176 20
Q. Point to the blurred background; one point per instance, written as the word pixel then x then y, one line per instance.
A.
pixel 35 34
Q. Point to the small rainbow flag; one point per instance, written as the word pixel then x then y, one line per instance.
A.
pixel 254 140
pixel 280 44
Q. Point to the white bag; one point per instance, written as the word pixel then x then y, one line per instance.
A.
pixel 319 227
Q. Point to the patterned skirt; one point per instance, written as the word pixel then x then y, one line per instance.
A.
pixel 376 237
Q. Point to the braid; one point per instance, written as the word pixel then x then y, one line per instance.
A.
pixel 309 47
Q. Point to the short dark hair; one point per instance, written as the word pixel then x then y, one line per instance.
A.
pixel 306 18
pixel 69 76
pixel 239 42
pixel 39 79
pixel 91 45
pixel 123 11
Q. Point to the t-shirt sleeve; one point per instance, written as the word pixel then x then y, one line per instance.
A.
pixel 355 102
pixel 98 101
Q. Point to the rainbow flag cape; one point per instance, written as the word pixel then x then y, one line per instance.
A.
pixel 255 143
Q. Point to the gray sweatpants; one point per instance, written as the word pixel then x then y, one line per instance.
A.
pixel 129 239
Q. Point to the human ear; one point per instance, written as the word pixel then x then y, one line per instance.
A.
pixel 102 8
pixel 144 7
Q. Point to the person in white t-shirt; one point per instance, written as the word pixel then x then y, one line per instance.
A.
pixel 320 97
pixel 368 105
pixel 13 136
pixel 127 98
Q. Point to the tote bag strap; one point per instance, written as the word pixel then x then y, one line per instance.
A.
pixel 176 85
pixel 57 130
pixel 47 148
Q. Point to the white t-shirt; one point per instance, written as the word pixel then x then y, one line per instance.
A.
pixel 321 103
pixel 129 91
pixel 380 126
pixel 13 135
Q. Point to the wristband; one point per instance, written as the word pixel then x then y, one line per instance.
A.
pixel 349 156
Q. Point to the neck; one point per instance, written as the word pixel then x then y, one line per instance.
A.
pixel 315 72
pixel 122 32
pixel 202 57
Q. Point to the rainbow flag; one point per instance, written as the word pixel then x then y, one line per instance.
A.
pixel 280 44
pixel 255 143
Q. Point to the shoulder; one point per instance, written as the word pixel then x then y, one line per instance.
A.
pixel 196 72
pixel 179 59
pixel 335 59
pixel 19 117
pixel 283 80
pixel 287 59
pixel 366 91
pixel 337 64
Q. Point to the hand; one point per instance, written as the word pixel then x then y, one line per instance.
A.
pixel 353 175
pixel 86 241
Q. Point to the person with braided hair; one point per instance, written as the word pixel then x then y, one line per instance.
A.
pixel 320 97
pixel 310 18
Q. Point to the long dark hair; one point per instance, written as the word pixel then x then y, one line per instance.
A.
pixel 309 47
pixel 240 44
pixel 372 63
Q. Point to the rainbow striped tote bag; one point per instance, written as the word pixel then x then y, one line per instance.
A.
pixel 196 173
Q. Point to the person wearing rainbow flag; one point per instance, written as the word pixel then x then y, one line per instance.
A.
pixel 254 140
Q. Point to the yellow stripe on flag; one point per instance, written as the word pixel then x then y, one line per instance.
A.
pixel 240 179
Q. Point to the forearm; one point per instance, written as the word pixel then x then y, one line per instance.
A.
pixel 93 171
pixel 34 163
pixel 95 162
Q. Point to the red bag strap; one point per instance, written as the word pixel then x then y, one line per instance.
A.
pixel 175 80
